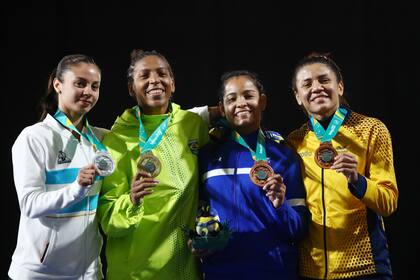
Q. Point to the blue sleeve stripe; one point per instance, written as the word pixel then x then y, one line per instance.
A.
pixel 63 176
pixel 82 205
pixel 225 172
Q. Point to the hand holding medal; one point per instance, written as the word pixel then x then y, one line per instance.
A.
pixel 346 164
pixel 275 190
pixel 103 162
pixel 86 175
pixel 141 186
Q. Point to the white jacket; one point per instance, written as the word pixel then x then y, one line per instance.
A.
pixel 58 232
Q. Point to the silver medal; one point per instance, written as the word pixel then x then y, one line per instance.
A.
pixel 104 163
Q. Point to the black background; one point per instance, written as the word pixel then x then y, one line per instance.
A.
pixel 375 44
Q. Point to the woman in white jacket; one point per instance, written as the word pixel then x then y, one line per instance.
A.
pixel 57 183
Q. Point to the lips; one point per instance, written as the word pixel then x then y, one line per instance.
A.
pixel 243 112
pixel 85 102
pixel 155 91
pixel 318 97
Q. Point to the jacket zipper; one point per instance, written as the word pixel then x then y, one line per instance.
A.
pixel 324 220
pixel 235 172
pixel 45 252
pixel 86 216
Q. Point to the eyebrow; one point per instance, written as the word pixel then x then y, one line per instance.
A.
pixel 317 77
pixel 157 69
pixel 85 80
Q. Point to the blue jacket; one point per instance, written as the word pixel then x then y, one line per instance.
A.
pixel 264 240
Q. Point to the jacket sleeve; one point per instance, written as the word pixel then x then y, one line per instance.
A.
pixel 381 193
pixel 203 112
pixel 29 158
pixel 117 214
pixel 293 215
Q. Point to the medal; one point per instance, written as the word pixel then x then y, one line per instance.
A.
pixel 150 164
pixel 261 170
pixel 260 173
pixel 104 163
pixel 325 154
pixel 102 160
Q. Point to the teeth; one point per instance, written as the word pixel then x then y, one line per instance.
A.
pixel 155 91
pixel 242 112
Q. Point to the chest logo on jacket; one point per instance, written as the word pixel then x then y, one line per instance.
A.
pixel 305 154
pixel 63 158
pixel 193 144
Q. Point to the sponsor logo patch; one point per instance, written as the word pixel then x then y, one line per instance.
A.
pixel 63 158
pixel 193 144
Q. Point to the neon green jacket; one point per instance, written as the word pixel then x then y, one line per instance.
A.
pixel 147 241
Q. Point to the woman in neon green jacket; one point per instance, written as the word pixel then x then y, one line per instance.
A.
pixel 154 190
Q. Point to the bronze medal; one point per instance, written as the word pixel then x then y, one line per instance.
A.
pixel 260 173
pixel 325 154
pixel 150 164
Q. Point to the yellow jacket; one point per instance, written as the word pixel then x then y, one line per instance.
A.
pixel 346 234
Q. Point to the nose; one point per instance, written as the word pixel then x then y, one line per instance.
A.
pixel 153 78
pixel 316 86
pixel 240 101
pixel 88 90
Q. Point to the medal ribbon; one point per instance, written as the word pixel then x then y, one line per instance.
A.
pixel 89 135
pixel 259 154
pixel 333 127
pixel 148 143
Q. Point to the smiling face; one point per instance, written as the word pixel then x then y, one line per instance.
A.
pixel 318 90
pixel 242 104
pixel 79 90
pixel 152 85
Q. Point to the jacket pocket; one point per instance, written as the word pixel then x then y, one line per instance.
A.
pixel 49 246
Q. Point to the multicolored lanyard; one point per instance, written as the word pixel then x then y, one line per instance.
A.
pixel 333 127
pixel 89 135
pixel 146 143
pixel 259 153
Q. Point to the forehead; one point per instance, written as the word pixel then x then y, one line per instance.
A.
pixel 239 83
pixel 83 70
pixel 150 62
pixel 314 70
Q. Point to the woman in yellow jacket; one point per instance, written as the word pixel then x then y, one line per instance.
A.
pixel 349 178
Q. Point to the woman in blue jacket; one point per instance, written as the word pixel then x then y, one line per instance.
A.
pixel 253 181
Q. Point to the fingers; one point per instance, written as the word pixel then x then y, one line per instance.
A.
pixel 141 174
pixel 86 175
pixel 275 190
pixel 346 164
pixel 273 183
pixel 141 186
pixel 344 160
pixel 199 253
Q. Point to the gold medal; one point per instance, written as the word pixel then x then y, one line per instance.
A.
pixel 325 154
pixel 260 173
pixel 150 164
